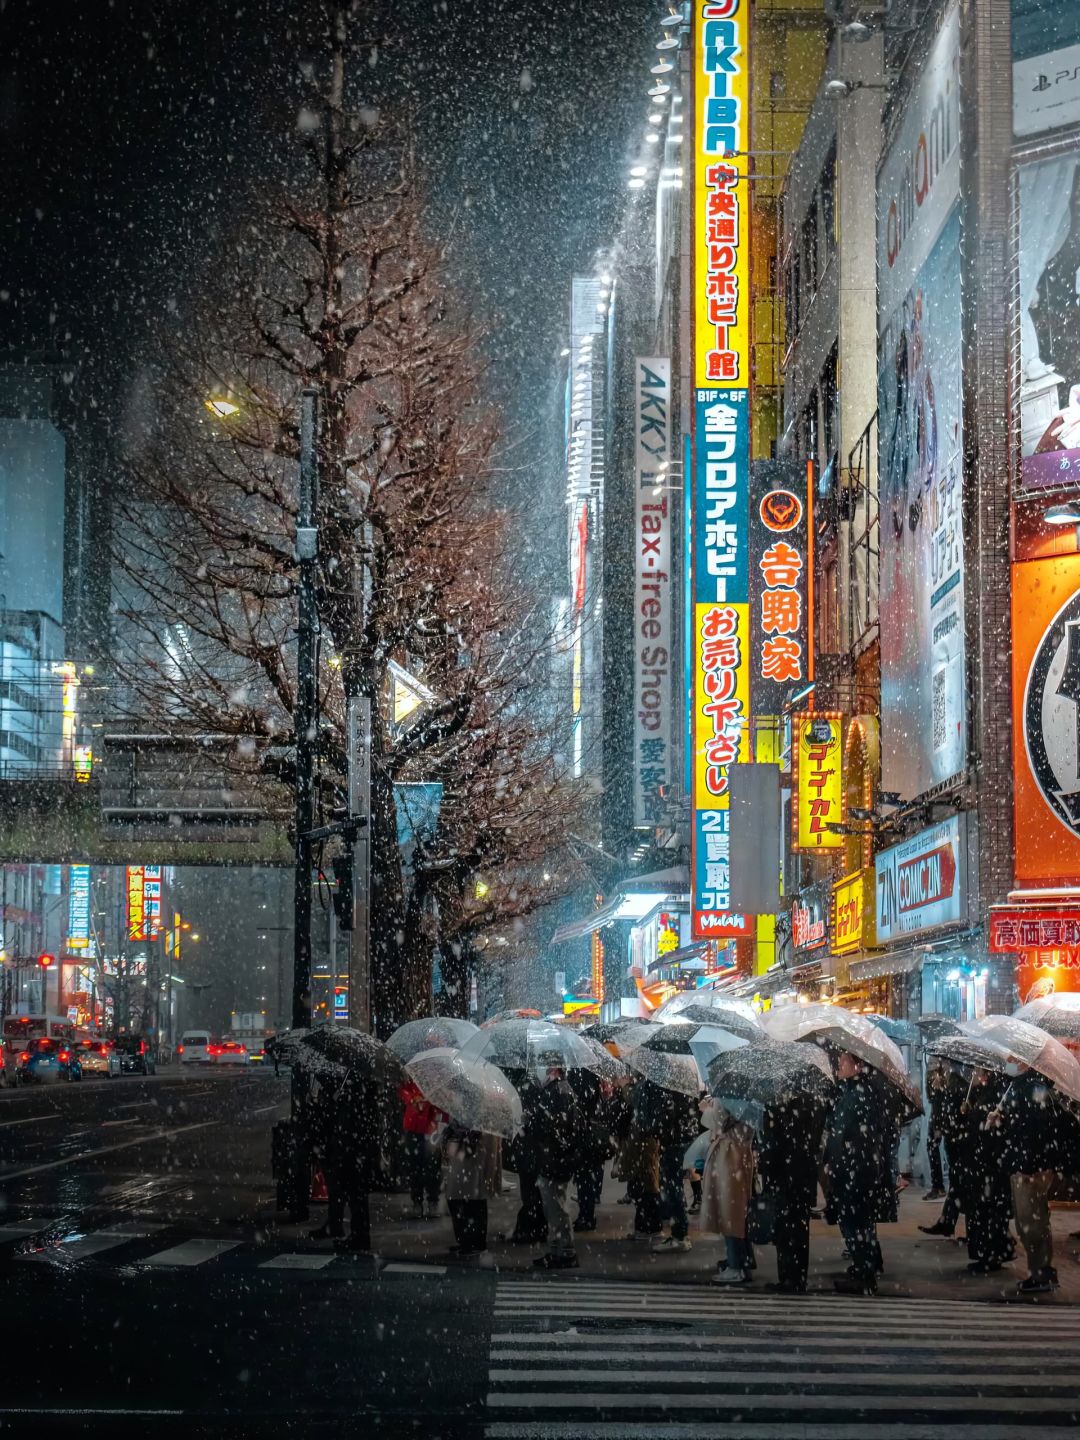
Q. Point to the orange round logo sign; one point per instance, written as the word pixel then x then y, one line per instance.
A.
pixel 780 510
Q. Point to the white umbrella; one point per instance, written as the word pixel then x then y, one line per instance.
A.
pixel 1032 1047
pixel 473 1093
pixel 665 1059
pixel 847 1031
pixel 437 1032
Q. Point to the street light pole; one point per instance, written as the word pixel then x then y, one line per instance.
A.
pixel 305 715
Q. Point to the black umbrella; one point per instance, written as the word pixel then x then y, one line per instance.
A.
pixel 608 1031
pixel 339 1049
pixel 722 1018
pixel 967 1050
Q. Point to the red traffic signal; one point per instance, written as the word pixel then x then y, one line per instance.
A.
pixel 45 960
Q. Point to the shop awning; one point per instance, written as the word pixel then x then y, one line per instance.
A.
pixel 895 962
pixel 635 899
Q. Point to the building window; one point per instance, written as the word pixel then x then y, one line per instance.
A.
pixel 827 207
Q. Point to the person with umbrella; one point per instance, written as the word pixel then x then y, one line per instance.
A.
pixel 788 1151
pixel 986 1200
pixel 1026 1116
pixel 558 1129
pixel 473 1161
pixel 854 1166
pixel 530 1226
pixel 347 1123
pixel 593 1095
pixel 727 1179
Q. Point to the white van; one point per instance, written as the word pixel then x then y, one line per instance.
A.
pixel 194 1047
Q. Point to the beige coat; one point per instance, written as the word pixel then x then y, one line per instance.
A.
pixel 475 1176
pixel 727 1179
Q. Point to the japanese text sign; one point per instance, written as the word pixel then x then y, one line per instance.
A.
pixel 921 881
pixel 1022 928
pixel 779 563
pixel 817 780
pixel 853 913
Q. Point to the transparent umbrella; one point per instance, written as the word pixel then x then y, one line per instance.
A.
pixel 608 1066
pixel 473 1092
pixel 1058 1015
pixel 438 1032
pixel 666 1059
pixel 531 1045
pixel 615 1034
pixel 750 1080
pixel 1031 1046
pixel 501 1015
pixel 703 1000
pixel 969 1050
pixel 713 1040
pixel 847 1031
pixel 914 1032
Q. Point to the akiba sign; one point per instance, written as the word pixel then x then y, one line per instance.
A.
pixel 921 882
pixel 652 590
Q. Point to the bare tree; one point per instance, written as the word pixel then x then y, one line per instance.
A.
pixel 331 282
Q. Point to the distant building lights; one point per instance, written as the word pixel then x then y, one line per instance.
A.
pixel 636 183
pixel 652 137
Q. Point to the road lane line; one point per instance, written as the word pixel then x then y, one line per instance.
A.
pixel 30 1120
pixel 405 1269
pixel 297 1262
pixel 192 1252
pixel 267 1108
pixel 103 1150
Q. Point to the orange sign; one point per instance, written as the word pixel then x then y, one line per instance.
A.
pixel 1046 719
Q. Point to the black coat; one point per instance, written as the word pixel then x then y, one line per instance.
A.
pixel 667 1116
pixel 558 1131
pixel 853 1151
pixel 788 1150
pixel 594 1139
pixel 1031 1126
pixel 347 1125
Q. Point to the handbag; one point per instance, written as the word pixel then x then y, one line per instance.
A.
pixel 761 1219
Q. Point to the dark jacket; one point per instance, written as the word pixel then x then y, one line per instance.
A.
pixel 983 1148
pixel 347 1125
pixel 666 1116
pixel 1030 1125
pixel 853 1155
pixel 558 1130
pixel 594 1139
pixel 788 1150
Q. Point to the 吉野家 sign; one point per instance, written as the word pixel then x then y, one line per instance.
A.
pixel 921 883
pixel 719 625
pixel 778 577
pixel 853 913
pixel 817 780
pixel 652 590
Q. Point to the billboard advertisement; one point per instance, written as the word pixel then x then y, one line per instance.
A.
pixel 853 913
pixel 720 622
pixel 78 932
pixel 817 780
pixel 1048 202
pixel 921 883
pixel 653 658
pixel 779 565
pixel 1046 720
pixel 921 567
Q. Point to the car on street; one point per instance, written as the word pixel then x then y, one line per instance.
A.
pixel 194 1047
pixel 98 1057
pixel 136 1056
pixel 228 1052
pixel 44 1060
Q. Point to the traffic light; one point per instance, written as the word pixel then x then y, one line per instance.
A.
pixel 342 893
pixel 45 960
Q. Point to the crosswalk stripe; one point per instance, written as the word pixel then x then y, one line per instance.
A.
pixel 717 1400
pixel 191 1252
pixel 298 1262
pixel 922 1380
pixel 743 1430
pixel 404 1269
pixel 96 1242
pixel 573 1358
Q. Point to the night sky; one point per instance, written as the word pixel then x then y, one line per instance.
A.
pixel 129 127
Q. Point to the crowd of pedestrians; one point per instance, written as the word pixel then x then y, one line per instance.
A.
pixel 998 1144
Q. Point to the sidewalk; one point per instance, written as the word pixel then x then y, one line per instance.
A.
pixel 915 1264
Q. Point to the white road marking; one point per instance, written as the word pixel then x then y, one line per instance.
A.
pixel 406 1269
pixel 620 1400
pixel 894 1379
pixel 29 1120
pixel 11 1228
pixel 191 1252
pixel 265 1109
pixel 298 1262
pixel 104 1150
pixel 95 1243
pixel 739 1430
pixel 130 1120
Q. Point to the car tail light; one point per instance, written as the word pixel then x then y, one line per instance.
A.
pixel 213 1049
pixel 142 1047
pixel 64 1055
pixel 25 1056
pixel 179 1049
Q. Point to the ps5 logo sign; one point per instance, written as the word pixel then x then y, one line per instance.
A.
pixel 1052 715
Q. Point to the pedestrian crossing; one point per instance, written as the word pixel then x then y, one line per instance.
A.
pixel 133 1245
pixel 593 1359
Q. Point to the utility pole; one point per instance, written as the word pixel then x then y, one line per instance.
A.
pixel 359 714
pixel 305 715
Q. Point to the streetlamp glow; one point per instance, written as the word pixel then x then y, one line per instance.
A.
pixel 221 406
